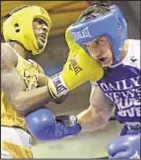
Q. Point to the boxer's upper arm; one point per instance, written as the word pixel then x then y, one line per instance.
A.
pixel 100 103
pixel 11 82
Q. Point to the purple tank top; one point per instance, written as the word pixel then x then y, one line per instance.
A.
pixel 122 85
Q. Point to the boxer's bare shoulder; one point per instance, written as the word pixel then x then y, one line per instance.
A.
pixel 11 82
pixel 9 57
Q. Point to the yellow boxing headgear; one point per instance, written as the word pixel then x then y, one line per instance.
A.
pixel 19 27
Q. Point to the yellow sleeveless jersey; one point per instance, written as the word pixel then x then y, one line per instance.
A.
pixel 29 73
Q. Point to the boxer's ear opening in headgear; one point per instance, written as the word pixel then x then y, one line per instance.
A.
pixel 101 19
pixel 19 26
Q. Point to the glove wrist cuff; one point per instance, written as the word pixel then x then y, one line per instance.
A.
pixel 57 100
pixel 74 120
pixel 78 123
pixel 57 86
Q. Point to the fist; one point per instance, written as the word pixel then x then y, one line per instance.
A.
pixel 127 146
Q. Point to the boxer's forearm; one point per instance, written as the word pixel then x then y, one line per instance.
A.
pixel 91 121
pixel 30 100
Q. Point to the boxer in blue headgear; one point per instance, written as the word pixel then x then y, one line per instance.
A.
pixel 102 31
pixel 111 25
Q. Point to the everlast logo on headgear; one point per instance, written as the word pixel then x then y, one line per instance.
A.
pixel 84 33
pixel 59 84
pixel 74 65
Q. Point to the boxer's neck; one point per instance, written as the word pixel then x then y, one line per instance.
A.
pixel 20 49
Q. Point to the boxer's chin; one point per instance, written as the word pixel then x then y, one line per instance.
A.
pixel 41 43
pixel 105 62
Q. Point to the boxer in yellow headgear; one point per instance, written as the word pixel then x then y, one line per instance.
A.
pixel 19 27
pixel 23 82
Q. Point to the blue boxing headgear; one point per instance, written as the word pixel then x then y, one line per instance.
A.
pixel 111 25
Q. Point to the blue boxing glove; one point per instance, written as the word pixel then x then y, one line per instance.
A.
pixel 43 125
pixel 125 147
